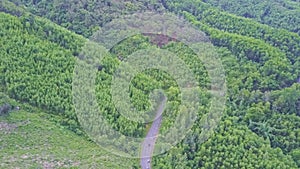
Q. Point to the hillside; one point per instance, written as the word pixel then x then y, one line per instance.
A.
pixel 85 17
pixel 40 44
pixel 30 138
pixel 278 14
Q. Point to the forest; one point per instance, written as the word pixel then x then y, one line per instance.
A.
pixel 258 43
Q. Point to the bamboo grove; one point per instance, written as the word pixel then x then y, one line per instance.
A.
pixel 260 127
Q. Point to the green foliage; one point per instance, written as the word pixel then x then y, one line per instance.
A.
pixel 4 109
pixel 143 83
pixel 296 155
pixel 231 146
pixel 246 48
pixel 36 71
pixel 85 17
pixel 33 139
pixel 205 14
pixel 277 13
pixel 260 126
pixel 287 101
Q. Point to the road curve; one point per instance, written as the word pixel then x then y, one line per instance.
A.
pixel 148 144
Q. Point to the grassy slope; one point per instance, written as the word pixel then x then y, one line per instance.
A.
pixel 32 140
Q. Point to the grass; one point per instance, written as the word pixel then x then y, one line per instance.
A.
pixel 31 140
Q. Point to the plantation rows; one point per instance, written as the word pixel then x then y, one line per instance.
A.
pixel 278 14
pixel 261 121
pixel 280 38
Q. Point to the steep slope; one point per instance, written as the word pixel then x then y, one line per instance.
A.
pixel 261 123
pixel 30 138
pixel 277 13
pixel 84 17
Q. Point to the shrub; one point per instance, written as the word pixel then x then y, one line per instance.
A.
pixel 5 109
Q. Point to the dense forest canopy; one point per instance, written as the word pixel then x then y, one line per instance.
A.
pixel 258 43
pixel 277 13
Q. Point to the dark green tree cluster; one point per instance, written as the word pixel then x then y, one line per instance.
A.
pixel 282 39
pixel 263 55
pixel 254 64
pixel 277 13
pixel 232 146
pixel 87 16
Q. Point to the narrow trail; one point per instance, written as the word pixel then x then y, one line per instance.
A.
pixel 148 145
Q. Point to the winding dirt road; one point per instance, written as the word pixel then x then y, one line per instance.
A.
pixel 149 142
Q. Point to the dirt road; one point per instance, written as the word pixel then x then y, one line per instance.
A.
pixel 149 142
